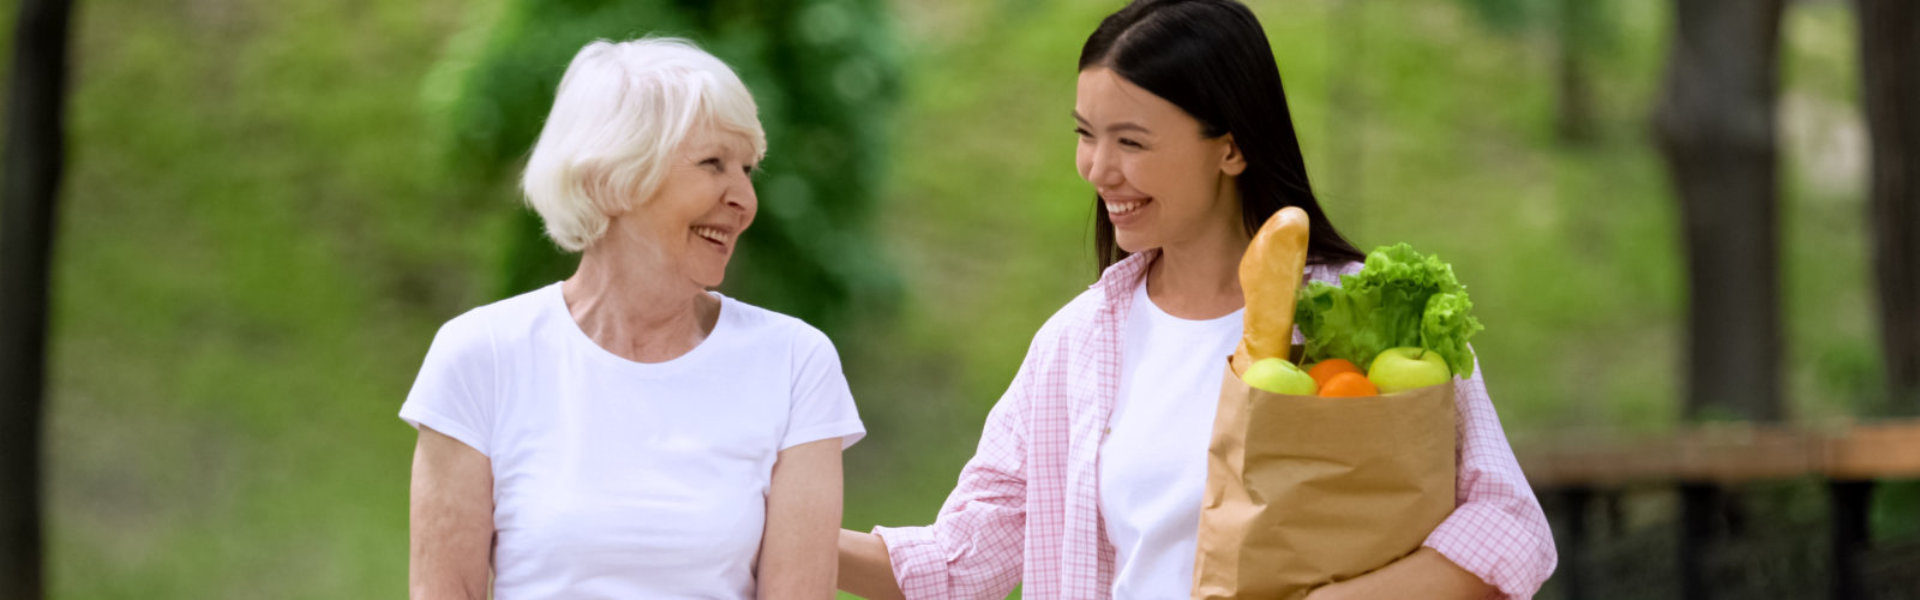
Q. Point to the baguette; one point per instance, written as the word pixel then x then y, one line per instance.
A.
pixel 1270 275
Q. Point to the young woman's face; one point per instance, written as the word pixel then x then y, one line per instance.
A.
pixel 705 201
pixel 1162 180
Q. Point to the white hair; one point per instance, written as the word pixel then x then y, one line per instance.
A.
pixel 621 112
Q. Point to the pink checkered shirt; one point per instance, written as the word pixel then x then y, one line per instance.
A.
pixel 1027 507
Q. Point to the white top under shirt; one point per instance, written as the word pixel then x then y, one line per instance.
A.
pixel 1153 466
pixel 619 479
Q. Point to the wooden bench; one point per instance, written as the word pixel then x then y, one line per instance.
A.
pixel 1705 458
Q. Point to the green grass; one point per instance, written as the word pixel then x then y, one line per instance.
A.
pixel 255 250
pixel 259 240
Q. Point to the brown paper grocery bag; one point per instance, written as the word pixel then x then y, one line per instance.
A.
pixel 1304 491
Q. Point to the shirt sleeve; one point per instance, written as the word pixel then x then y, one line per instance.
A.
pixel 975 547
pixel 453 393
pixel 1497 530
pixel 822 403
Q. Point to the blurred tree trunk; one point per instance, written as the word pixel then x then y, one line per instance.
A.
pixel 1715 126
pixel 34 153
pixel 1890 82
pixel 1574 119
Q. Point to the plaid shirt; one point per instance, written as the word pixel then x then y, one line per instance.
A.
pixel 1027 507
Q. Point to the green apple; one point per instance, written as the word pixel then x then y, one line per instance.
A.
pixel 1406 368
pixel 1280 377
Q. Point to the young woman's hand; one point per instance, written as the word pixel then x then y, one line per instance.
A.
pixel 1424 574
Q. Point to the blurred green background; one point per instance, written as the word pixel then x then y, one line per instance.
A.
pixel 267 216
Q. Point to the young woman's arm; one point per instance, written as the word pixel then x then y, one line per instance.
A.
pixel 803 514
pixel 1423 574
pixel 1497 533
pixel 865 568
pixel 451 520
pixel 975 547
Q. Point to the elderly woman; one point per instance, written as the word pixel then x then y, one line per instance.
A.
pixel 628 433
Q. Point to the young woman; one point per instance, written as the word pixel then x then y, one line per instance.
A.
pixel 1088 478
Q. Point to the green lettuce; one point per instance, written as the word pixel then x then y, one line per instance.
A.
pixel 1399 298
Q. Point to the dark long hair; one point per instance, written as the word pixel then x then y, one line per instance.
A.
pixel 1211 59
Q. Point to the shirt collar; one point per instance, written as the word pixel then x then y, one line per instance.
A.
pixel 1119 280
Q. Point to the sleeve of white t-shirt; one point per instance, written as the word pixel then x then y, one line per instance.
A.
pixel 454 392
pixel 822 403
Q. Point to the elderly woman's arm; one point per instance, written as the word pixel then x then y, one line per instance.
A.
pixel 452 520
pixel 797 553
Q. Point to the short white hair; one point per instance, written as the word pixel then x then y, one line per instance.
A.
pixel 620 113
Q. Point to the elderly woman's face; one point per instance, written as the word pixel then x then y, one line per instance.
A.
pixel 704 204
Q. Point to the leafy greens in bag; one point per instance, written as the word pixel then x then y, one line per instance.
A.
pixel 1399 298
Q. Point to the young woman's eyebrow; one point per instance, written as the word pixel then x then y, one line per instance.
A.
pixel 1122 126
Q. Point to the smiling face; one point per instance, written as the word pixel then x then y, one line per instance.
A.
pixel 705 201
pixel 1161 180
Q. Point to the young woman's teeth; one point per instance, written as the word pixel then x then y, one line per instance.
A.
pixel 1121 208
pixel 711 234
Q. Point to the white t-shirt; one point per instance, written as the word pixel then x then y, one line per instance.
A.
pixel 619 479
pixel 1153 465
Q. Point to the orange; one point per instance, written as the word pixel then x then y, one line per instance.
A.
pixel 1326 369
pixel 1348 385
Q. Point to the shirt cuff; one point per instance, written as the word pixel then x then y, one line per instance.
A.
pixel 916 557
pixel 1494 547
pixel 848 432
pixel 418 417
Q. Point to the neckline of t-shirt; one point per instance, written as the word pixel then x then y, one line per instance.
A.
pixel 1140 298
pixel 579 337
